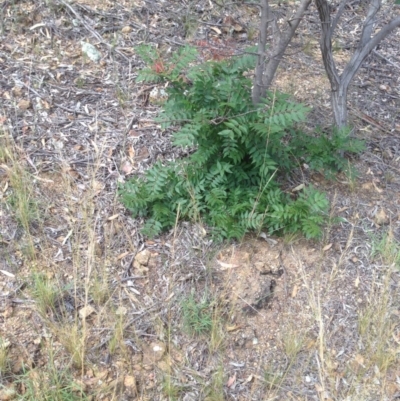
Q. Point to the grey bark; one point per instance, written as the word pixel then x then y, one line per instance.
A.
pixel 258 86
pixel 266 69
pixel 282 43
pixel 340 83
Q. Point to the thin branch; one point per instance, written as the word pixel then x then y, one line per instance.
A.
pixel 382 34
pixel 284 39
pixel 369 22
pixel 386 59
pixel 338 14
pixel 361 53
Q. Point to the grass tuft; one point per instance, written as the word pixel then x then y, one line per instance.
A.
pixel 197 315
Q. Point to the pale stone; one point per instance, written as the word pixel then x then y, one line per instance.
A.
pixel 86 311
pixel 121 311
pixel 381 217
pixel 143 257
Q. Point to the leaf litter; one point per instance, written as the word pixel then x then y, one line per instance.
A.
pixel 79 128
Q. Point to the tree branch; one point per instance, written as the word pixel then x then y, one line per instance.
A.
pixel 361 53
pixel 326 43
pixel 369 22
pixel 283 42
pixel 338 14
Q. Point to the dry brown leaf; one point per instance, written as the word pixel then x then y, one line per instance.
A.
pixel 97 186
pixel 122 255
pixel 127 167
pixel 359 359
pixel 143 154
pixel 367 186
pixel 327 247
pixel 24 104
pixel 134 133
pixel 298 188
pixel 233 328
pixel 170 296
pixel 17 90
pixel 73 173
pixel 131 152
pixel 377 188
pixel 231 381
pixel 216 30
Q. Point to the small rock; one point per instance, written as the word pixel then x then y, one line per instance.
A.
pixel 126 29
pixel 143 257
pixel 91 52
pixel 381 217
pixel 121 311
pixel 129 381
pixel 140 269
pixel 130 385
pixel 86 311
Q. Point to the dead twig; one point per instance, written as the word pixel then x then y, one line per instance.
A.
pixel 385 59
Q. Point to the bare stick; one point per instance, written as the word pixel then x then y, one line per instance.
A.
pixel 262 43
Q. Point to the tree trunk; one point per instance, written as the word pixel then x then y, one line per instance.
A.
pixel 258 89
pixel 339 106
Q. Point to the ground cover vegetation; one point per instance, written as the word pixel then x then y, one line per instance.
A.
pixel 92 309
pixel 240 153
